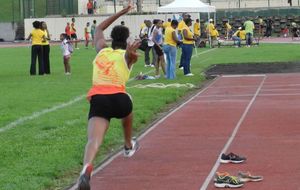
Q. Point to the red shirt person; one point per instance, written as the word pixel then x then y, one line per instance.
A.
pixel 68 30
pixel 90 7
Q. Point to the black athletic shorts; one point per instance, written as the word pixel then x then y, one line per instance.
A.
pixel 110 106
pixel 158 50
pixel 74 36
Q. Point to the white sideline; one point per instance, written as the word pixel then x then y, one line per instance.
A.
pixel 231 138
pixel 40 113
pixel 35 115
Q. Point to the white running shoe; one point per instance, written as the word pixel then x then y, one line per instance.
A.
pixel 189 74
pixel 128 152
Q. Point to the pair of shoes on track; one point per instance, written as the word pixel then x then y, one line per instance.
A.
pixel 223 180
pixel 85 176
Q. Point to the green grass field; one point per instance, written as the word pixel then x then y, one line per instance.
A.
pixel 45 152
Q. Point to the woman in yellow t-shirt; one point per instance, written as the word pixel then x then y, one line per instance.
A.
pixel 38 37
pixel 187 47
pixel 170 49
pixel 46 48
pixel 228 30
pixel 108 97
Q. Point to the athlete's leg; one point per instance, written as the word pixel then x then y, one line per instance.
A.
pixel 97 128
pixel 127 127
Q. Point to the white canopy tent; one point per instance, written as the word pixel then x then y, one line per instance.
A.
pixel 188 6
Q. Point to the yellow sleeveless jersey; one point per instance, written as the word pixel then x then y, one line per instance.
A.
pixel 110 72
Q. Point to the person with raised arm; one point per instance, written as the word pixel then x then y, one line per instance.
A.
pixel 108 97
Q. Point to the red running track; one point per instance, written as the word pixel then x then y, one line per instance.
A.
pixel 257 116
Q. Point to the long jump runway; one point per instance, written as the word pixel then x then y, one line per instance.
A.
pixel 257 116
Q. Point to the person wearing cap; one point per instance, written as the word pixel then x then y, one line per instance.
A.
pixel 212 31
pixel 182 25
pixel 187 47
pixel 236 37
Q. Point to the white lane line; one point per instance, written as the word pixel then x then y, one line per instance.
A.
pixel 233 76
pixel 231 138
pixel 35 115
pixel 150 129
pixel 40 113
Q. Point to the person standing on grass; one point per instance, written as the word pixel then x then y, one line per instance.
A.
pixel 73 33
pixel 66 48
pixel 212 32
pixel 187 47
pixel 170 49
pixel 197 31
pixel 145 38
pixel 228 30
pixel 93 30
pixel 38 37
pixel 108 97
pixel 46 48
pixel 249 27
pixel 87 35
pixel 269 26
pixel 182 25
pixel 158 42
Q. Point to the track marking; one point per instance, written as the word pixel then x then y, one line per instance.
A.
pixel 150 129
pixel 233 76
pixel 35 115
pixel 231 138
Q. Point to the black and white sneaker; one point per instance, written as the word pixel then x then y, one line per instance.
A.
pixel 85 177
pixel 231 158
pixel 128 152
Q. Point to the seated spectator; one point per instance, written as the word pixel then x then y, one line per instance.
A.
pixel 238 36
pixel 285 32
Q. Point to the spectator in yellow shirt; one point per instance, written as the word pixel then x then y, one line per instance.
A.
pixel 46 48
pixel 212 31
pixel 197 31
pixel 167 24
pixel 38 37
pixel 187 47
pixel 197 28
pixel 236 37
pixel 228 30
pixel 170 49
pixel 181 26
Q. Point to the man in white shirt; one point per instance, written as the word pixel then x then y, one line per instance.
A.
pixel 146 34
